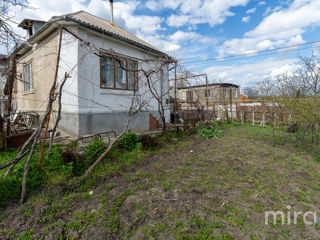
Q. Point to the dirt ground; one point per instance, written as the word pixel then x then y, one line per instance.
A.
pixel 202 189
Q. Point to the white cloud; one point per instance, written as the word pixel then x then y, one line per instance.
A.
pixel 262 3
pixel 186 36
pixel 288 68
pixel 246 19
pixel 193 12
pixel 246 73
pixel 282 27
pixel 252 10
pixel 155 5
pixel 177 21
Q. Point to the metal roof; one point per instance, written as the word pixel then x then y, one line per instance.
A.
pixel 212 84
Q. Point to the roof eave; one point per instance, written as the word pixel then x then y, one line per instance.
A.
pixel 100 30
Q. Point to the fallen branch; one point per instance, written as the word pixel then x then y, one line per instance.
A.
pixel 26 171
pixel 103 155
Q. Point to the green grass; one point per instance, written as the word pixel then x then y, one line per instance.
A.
pixel 220 191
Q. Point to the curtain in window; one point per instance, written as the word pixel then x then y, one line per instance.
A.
pixel 132 75
pixel 121 76
pixel 107 80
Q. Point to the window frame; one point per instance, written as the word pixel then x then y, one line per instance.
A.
pixel 30 82
pixel 126 60
pixel 207 93
pixel 189 96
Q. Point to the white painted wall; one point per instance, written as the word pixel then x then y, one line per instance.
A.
pixel 69 63
pixel 93 99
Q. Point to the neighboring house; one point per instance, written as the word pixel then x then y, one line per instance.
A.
pixel 216 97
pixel 97 96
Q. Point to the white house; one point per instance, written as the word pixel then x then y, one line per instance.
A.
pixel 98 94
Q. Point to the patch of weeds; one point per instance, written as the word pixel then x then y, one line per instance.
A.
pixel 167 186
pixel 302 197
pixel 107 187
pixel 154 230
pixel 53 225
pixel 118 201
pixel 128 141
pixel 179 225
pixel 50 212
pixel 25 211
pixel 186 163
pixel 211 133
pixel 96 147
pixel 27 235
pixel 204 230
pixel 141 209
pixel 75 225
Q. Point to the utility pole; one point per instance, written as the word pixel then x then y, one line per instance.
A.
pixel 231 104
pixel 175 104
pixel 207 93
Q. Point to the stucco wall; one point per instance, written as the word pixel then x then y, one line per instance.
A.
pixel 86 108
pixel 43 58
pixel 106 109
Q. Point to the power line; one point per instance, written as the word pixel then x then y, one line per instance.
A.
pixel 248 54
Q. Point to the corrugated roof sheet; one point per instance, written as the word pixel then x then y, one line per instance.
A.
pixel 105 25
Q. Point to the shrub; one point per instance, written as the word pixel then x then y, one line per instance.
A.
pixel 212 132
pixel 128 141
pixel 97 145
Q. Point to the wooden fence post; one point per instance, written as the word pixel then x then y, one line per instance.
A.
pixel 252 117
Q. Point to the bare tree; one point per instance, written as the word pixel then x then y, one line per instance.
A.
pixel 7 35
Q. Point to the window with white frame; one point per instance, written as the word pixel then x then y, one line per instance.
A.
pixel 118 73
pixel 235 92
pixel 27 77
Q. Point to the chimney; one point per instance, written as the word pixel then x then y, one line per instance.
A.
pixel 111 9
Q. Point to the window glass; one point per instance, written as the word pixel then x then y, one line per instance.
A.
pixel 27 77
pixel 121 77
pixel 107 80
pixel 118 73
pixel 189 96
pixel 235 93
pixel 132 75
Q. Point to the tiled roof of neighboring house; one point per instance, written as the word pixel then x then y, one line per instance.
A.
pixel 244 98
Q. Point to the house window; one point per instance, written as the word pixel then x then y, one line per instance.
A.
pixel 118 73
pixel 189 95
pixel 27 77
pixel 235 92
pixel 225 92
pixel 207 93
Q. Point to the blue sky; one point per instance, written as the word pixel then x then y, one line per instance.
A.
pixel 198 31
